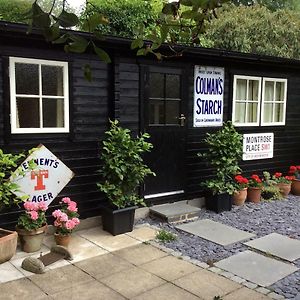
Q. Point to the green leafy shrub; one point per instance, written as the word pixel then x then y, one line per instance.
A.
pixel 225 150
pixel 165 236
pixel 123 167
pixel 270 190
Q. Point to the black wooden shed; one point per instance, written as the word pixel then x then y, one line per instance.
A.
pixel 44 98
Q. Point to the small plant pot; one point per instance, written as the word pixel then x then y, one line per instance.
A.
pixel 295 187
pixel 118 221
pixel 254 194
pixel 219 203
pixel 31 241
pixel 8 244
pixel 284 188
pixel 62 240
pixel 239 197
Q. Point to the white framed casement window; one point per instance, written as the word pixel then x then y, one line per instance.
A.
pixel 274 98
pixel 39 95
pixel 246 100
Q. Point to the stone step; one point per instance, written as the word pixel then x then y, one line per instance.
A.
pixel 175 212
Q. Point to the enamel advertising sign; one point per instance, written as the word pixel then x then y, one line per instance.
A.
pixel 43 182
pixel 208 96
pixel 258 146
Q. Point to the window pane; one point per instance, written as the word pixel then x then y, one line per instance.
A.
pixel 28 113
pixel 156 85
pixel 241 89
pixel 172 112
pixel 269 91
pixel 268 112
pixel 252 113
pixel 279 91
pixel 52 80
pixel 278 117
pixel 173 86
pixel 253 90
pixel 156 112
pixel 53 113
pixel 27 79
pixel 240 112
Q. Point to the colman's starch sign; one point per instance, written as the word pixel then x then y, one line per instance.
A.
pixel 208 96
pixel 44 181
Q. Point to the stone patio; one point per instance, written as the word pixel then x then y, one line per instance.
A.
pixel 277 245
pixel 256 268
pixel 215 232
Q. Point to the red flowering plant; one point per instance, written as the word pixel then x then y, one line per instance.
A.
pixel 34 216
pixel 295 171
pixel 255 181
pixel 279 178
pixel 240 182
pixel 66 218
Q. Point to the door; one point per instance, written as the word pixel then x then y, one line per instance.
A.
pixel 165 121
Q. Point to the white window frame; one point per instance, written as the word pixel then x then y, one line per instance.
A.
pixel 284 103
pixel 13 96
pixel 236 77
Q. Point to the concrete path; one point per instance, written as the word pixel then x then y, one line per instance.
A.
pixel 121 267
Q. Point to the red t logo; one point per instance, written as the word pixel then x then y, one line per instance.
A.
pixel 40 175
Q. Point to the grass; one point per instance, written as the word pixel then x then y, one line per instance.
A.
pixel 165 236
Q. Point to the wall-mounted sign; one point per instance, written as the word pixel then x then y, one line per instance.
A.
pixel 258 146
pixel 43 182
pixel 208 96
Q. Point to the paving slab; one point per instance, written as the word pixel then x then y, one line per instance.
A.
pixel 277 245
pixel 169 267
pixel 166 291
pixel 256 268
pixel 215 232
pixel 245 294
pixel 140 254
pixel 206 285
pixel 9 272
pixel 132 282
pixel 144 233
pixel 175 212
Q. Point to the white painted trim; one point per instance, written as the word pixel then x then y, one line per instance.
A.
pixel 274 80
pixel 164 194
pixel 234 100
pixel 13 96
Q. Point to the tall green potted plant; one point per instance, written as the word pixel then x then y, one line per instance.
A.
pixel 223 154
pixel 123 170
pixel 8 239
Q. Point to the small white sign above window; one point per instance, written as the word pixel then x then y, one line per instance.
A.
pixel 47 179
pixel 208 96
pixel 258 146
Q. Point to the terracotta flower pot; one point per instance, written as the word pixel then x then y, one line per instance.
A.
pixel 254 194
pixel 31 241
pixel 62 240
pixel 284 188
pixel 296 187
pixel 239 197
pixel 8 244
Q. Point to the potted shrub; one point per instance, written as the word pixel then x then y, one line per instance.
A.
pixel 123 170
pixel 283 183
pixel 223 154
pixel 254 188
pixel 32 225
pixel 295 171
pixel 240 193
pixel 8 238
pixel 270 189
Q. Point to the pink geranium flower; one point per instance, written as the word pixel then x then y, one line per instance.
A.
pixel 33 215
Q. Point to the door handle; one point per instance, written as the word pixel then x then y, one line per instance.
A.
pixel 182 119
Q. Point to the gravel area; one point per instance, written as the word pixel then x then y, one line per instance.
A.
pixel 282 216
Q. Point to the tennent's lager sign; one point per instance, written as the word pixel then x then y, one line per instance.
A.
pixel 45 180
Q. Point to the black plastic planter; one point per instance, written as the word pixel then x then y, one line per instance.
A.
pixel 219 202
pixel 118 221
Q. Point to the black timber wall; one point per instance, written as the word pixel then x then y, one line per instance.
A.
pixel 89 112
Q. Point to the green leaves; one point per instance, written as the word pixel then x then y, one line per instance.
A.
pixel 77 44
pixel 123 169
pixel 102 54
pixel 66 19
